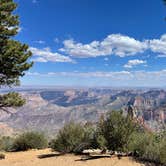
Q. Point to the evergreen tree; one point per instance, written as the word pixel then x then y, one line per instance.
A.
pixel 13 54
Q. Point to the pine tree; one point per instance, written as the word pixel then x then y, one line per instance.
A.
pixel 13 54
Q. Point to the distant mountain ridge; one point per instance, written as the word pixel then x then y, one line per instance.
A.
pixel 49 110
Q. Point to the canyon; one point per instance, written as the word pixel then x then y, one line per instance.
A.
pixel 47 110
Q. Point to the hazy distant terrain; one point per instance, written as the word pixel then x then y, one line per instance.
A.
pixel 48 110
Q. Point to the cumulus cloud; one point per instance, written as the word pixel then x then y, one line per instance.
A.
pixel 158 45
pixel 116 44
pixel 134 62
pixel 123 45
pixel 46 55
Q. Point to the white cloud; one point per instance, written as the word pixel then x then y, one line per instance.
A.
pixel 116 44
pixel 45 55
pixel 33 73
pixel 40 59
pixel 123 45
pixel 158 45
pixel 134 62
pixel 82 51
pixel 40 41
pixel 121 78
pixel 118 75
pixel 161 56
pixel 115 75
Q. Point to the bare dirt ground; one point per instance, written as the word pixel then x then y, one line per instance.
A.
pixel 30 158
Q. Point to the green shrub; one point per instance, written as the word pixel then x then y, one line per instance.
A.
pixel 163 151
pixel 89 132
pixel 6 143
pixel 148 146
pixel 73 137
pixel 138 142
pixel 100 142
pixel 29 140
pixel 114 131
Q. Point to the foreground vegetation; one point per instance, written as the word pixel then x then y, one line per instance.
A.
pixel 113 132
pixel 23 142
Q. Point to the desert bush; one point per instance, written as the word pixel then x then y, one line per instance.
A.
pixel 138 142
pixel 163 151
pixel 114 131
pixel 89 132
pixel 73 137
pixel 100 142
pixel 6 143
pixel 148 146
pixel 29 140
pixel 151 151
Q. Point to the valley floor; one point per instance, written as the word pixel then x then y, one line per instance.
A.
pixel 30 158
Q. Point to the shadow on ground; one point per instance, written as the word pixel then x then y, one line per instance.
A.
pixel 48 155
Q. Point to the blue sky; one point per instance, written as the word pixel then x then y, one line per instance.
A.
pixel 94 42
